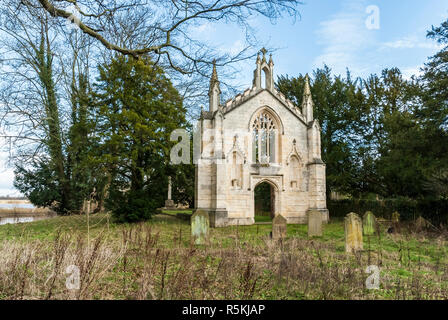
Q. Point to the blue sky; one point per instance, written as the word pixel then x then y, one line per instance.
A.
pixel 331 32
pixel 335 33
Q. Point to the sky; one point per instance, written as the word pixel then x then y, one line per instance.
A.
pixel 364 36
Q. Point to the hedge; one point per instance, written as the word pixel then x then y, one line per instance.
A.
pixel 435 211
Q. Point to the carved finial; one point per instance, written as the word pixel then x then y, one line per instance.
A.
pixel 294 142
pixel 307 102
pixel 307 90
pixel 263 50
pixel 270 59
pixel 214 91
pixel 214 73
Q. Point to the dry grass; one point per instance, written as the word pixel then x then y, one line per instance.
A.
pixel 156 261
pixel 17 211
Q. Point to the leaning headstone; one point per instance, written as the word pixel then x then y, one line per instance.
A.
pixel 314 223
pixel 395 217
pixel 353 233
pixel 200 226
pixel 278 227
pixel 421 223
pixel 395 227
pixel 369 225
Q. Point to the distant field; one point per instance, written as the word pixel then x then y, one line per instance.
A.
pixel 18 211
pixel 13 201
pixel 155 260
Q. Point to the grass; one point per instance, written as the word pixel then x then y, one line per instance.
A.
pixel 17 211
pixel 155 260
pixel 263 219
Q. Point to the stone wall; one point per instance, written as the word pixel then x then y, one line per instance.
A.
pixel 227 174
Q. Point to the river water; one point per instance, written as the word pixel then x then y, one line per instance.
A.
pixel 16 205
pixel 18 219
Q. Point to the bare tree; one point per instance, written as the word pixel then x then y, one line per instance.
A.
pixel 164 25
pixel 43 94
pixel 48 48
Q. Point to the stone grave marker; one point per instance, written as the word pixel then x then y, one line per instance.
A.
pixel 369 224
pixel 314 223
pixel 421 223
pixel 169 203
pixel 353 233
pixel 395 217
pixel 200 225
pixel 278 227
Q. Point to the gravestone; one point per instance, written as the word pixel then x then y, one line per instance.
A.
pixel 278 227
pixel 200 226
pixel 421 223
pixel 395 217
pixel 395 227
pixel 314 223
pixel 369 224
pixel 353 233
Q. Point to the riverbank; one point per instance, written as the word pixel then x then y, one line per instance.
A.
pixel 25 212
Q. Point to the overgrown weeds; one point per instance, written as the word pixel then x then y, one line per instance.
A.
pixel 135 262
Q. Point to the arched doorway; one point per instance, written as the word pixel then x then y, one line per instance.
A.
pixel 264 198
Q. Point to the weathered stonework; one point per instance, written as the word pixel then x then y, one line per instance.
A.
pixel 369 224
pixel 353 233
pixel 314 223
pixel 259 136
pixel 200 227
pixel 278 227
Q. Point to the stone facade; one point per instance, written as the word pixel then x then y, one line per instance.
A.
pixel 259 136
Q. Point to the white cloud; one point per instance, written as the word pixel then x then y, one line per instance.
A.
pixel 411 71
pixel 203 31
pixel 346 38
pixel 410 42
pixel 6 176
pixel 236 47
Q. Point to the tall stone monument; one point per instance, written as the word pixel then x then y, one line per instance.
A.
pixel 169 204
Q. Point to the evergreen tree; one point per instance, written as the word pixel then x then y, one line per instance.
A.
pixel 434 114
pixel 137 109
pixel 332 97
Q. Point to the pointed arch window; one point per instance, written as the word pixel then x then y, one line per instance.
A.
pixel 264 128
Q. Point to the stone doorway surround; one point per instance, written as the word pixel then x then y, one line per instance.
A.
pixel 275 182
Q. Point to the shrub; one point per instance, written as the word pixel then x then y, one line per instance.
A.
pixel 131 206
pixel 435 211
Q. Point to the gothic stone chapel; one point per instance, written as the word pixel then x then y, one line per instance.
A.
pixel 258 137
